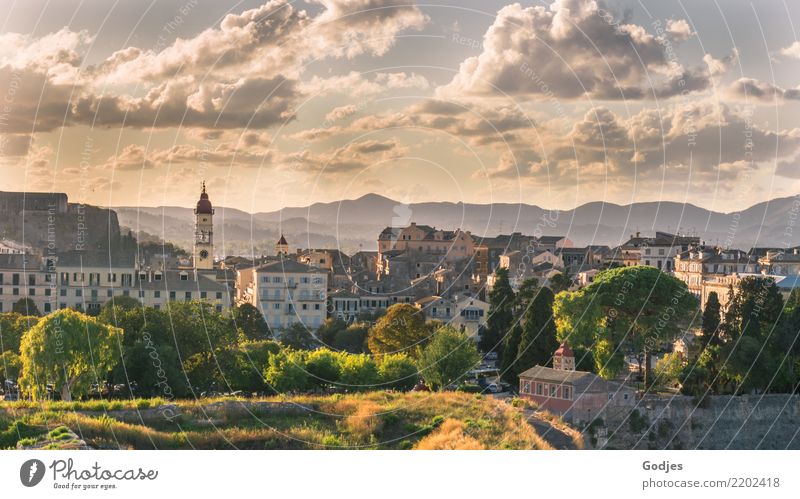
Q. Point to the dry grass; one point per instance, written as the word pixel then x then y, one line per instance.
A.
pixel 378 420
pixel 449 436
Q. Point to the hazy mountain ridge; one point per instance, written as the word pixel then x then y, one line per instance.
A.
pixel 356 223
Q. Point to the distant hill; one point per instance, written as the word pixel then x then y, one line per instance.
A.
pixel 354 224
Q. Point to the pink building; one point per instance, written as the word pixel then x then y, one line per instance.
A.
pixel 576 395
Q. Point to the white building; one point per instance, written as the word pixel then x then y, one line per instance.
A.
pixel 287 292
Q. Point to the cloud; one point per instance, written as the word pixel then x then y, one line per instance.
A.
pixel 678 31
pixel 792 50
pixel 789 168
pixel 245 72
pixel 355 156
pixel 569 51
pixel 752 89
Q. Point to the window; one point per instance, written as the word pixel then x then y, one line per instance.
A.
pixel 277 279
pixel 304 280
pixel 188 295
pixel 157 276
pixel 15 291
pixel 78 292
pixel 47 292
pixel 219 295
pixel 566 392
pixel 172 295
pixel 31 291
pixel 305 306
pixel 184 276
pixel 526 387
pixel 63 292
pixel 610 396
pixel 553 389
pixel 316 306
pixel 141 293
pixel 203 294
pixel 157 294
pixel 47 307
pixel 31 280
pixel 109 293
pixel 276 306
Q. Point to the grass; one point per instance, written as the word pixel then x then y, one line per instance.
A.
pixel 374 420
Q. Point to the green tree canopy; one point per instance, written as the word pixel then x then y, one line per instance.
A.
pixel 401 330
pixel 12 327
pixel 26 306
pixel 711 320
pixel 250 320
pixel 636 309
pixel 286 372
pixel 501 313
pixel 447 358
pixel 398 371
pixel 70 350
pixel 538 340
pixel 359 372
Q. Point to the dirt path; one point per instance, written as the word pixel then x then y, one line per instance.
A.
pixel 560 437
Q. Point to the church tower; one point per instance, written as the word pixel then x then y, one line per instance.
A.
pixel 203 256
pixel 281 247
pixel 564 358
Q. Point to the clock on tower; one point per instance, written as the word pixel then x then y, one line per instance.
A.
pixel 203 258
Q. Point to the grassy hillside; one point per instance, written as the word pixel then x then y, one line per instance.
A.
pixel 377 420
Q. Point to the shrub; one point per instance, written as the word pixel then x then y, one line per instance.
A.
pixel 359 372
pixel 398 371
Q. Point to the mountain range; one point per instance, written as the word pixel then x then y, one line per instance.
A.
pixel 354 224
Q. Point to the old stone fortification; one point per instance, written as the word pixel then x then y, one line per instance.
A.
pixel 718 422
pixel 48 220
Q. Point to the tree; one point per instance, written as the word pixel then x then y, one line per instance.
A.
pixel 447 358
pixel 559 282
pixel 250 320
pixel 637 309
pixel 353 339
pixel 70 350
pixel 359 372
pixel 298 337
pixel 398 371
pixel 12 327
pixel 115 305
pixel 508 359
pixel 26 306
pixel 10 366
pixel 501 313
pixel 196 327
pixel 330 329
pixel 711 320
pixel 538 340
pixel 286 372
pixel 668 371
pixel 323 367
pixel 401 329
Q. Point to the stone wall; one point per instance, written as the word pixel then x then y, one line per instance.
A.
pixel 718 422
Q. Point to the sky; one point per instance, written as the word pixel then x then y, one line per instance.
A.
pixel 287 103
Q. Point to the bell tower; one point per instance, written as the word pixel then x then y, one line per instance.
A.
pixel 203 255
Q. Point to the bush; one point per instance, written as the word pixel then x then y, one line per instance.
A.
pixel 359 372
pixel 323 367
pixel 398 371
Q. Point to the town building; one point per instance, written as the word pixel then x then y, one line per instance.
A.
pixel 448 245
pixel 706 269
pixel 578 396
pixel 27 276
pixel 286 292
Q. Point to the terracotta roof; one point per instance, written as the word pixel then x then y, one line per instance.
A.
pixel 564 350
